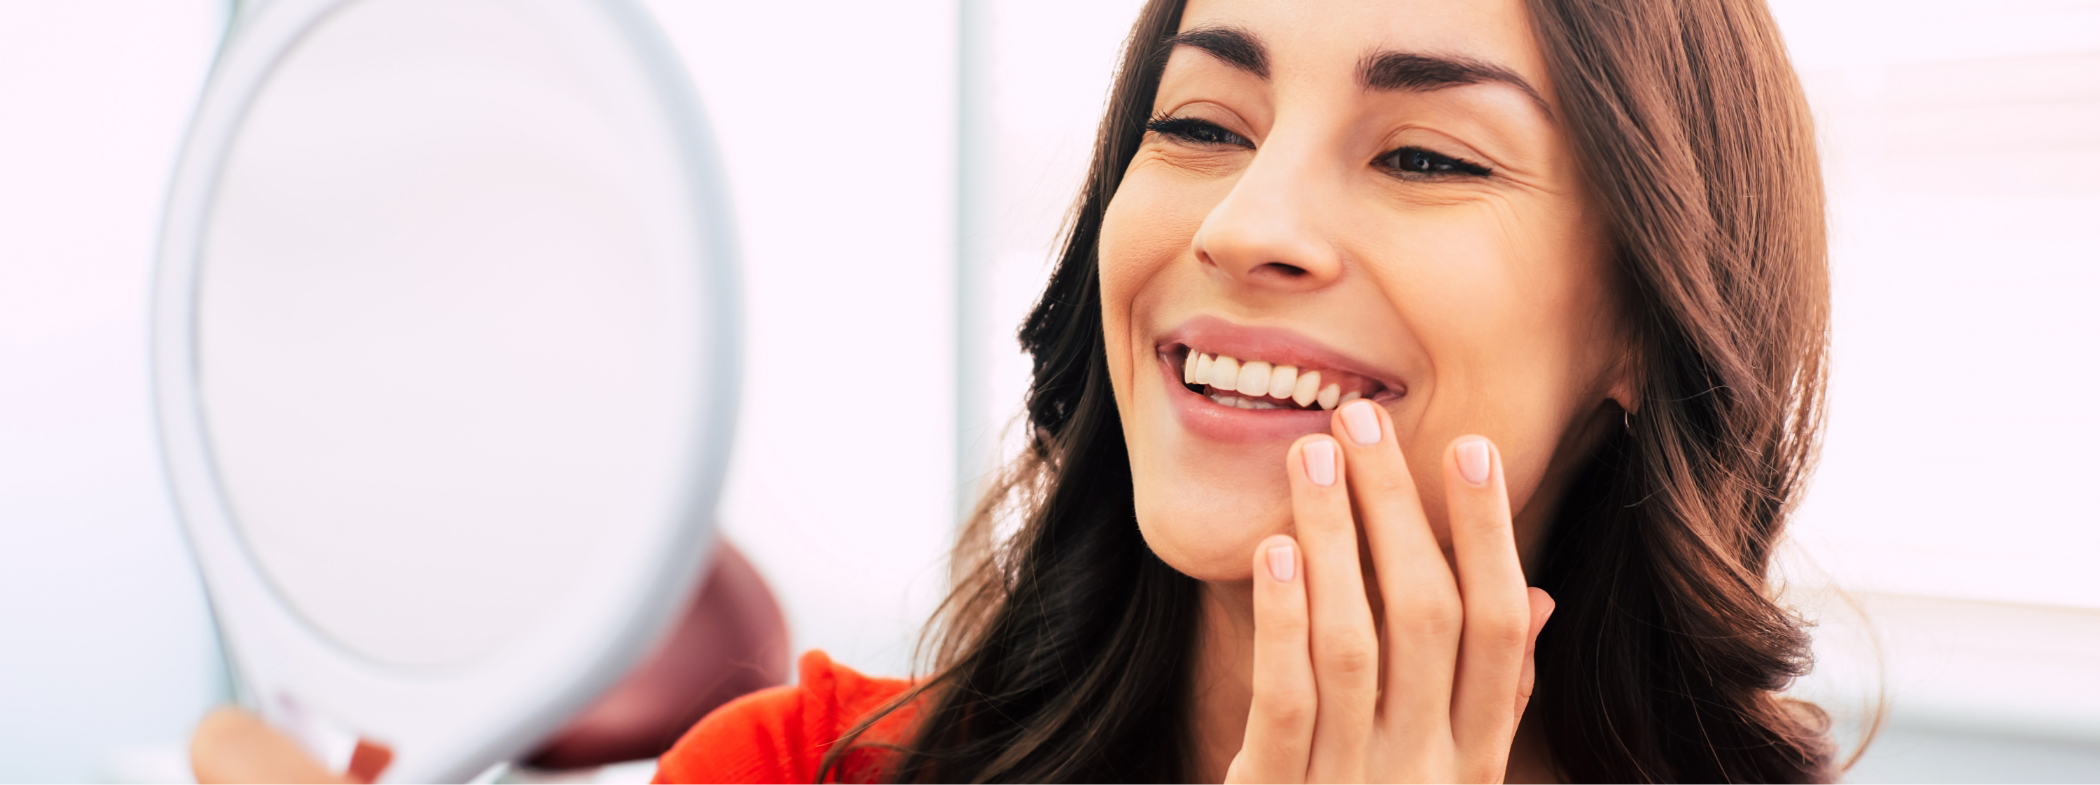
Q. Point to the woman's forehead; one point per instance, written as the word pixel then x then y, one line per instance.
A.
pixel 1324 39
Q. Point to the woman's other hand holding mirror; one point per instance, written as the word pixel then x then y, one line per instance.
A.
pixel 232 745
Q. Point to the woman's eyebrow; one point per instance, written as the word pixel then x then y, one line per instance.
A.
pixel 1237 48
pixel 1419 72
pixel 1382 71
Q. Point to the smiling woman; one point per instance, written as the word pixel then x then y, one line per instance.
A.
pixel 1383 333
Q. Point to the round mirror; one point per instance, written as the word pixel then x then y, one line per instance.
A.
pixel 445 362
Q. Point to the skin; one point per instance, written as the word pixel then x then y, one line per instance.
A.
pixel 1395 641
pixel 232 745
pixel 1400 646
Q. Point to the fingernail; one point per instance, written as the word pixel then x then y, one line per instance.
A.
pixel 1283 562
pixel 1319 462
pixel 1473 460
pixel 1361 421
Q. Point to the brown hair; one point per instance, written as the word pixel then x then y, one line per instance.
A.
pixel 1064 651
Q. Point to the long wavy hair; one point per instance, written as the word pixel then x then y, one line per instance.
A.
pixel 1065 651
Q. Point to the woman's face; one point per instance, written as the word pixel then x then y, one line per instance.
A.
pixel 1373 191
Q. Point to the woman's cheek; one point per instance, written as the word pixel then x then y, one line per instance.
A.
pixel 1198 513
pixel 1121 269
pixel 1145 230
pixel 1515 394
pixel 1148 224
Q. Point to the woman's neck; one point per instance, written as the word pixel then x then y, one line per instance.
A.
pixel 1223 685
pixel 1222 688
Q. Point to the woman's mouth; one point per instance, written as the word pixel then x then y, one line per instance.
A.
pixel 1249 385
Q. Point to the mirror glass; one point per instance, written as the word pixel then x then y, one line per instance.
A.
pixel 443 326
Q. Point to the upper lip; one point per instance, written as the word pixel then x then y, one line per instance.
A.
pixel 1275 345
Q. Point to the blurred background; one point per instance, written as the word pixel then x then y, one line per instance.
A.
pixel 900 171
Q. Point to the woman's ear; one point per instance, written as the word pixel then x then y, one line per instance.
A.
pixel 1622 383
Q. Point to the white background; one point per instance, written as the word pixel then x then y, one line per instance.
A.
pixel 1963 151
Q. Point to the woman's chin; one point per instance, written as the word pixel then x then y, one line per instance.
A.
pixel 1208 529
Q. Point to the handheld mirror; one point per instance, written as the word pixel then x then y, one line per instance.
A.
pixel 445 364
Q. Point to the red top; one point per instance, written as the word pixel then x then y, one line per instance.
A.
pixel 782 734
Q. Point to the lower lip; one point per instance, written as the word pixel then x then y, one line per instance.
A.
pixel 1220 423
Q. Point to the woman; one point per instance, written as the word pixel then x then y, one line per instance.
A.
pixel 1383 333
pixel 1567 256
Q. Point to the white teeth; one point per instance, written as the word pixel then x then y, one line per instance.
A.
pixel 1254 378
pixel 1225 373
pixel 1307 389
pixel 1282 380
pixel 1261 385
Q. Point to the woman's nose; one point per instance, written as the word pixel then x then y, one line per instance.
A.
pixel 1268 231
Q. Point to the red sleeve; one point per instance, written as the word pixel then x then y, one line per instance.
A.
pixel 782 734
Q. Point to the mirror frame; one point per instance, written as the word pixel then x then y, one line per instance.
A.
pixel 452 723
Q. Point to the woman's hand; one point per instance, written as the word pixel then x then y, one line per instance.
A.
pixel 1433 694
pixel 232 745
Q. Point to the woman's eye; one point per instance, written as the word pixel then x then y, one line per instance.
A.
pixel 1417 162
pixel 1194 131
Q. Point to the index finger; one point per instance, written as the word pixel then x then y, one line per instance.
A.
pixel 1422 611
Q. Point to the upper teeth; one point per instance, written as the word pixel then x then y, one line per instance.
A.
pixel 1261 379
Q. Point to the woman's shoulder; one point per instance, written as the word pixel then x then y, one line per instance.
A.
pixel 782 734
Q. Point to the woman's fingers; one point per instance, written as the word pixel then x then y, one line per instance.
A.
pixel 1460 629
pixel 1280 721
pixel 1423 616
pixel 1541 609
pixel 231 745
pixel 1344 642
pixel 1498 614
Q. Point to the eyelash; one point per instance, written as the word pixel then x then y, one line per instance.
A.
pixel 1411 162
pixel 1189 129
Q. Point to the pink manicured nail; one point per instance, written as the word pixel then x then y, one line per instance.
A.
pixel 1319 462
pixel 1283 562
pixel 1361 421
pixel 1473 460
